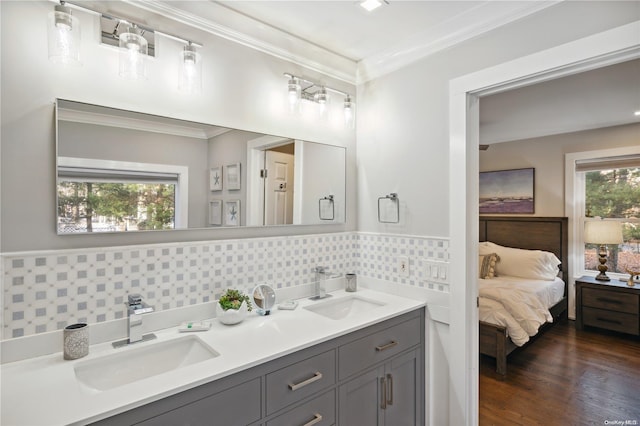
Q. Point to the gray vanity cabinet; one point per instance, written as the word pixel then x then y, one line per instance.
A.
pixel 373 376
pixel 386 395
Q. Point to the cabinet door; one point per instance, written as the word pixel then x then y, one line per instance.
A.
pixel 360 400
pixel 403 391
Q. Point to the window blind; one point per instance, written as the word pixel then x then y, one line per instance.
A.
pixel 608 163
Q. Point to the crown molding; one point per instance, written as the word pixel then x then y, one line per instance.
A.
pixel 216 19
pixel 208 17
pixel 474 22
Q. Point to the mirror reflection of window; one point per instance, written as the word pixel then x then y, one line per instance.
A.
pixel 108 196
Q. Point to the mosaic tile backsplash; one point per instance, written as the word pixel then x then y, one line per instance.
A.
pixel 47 291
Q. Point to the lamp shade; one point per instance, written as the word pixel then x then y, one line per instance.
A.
pixel 602 232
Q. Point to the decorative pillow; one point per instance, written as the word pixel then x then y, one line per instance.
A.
pixel 534 264
pixel 487 265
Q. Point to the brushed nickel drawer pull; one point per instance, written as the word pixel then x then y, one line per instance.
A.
pixel 383 387
pixel 387 346
pixel 317 418
pixel 317 376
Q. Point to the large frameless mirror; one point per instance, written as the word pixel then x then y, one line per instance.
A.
pixel 122 171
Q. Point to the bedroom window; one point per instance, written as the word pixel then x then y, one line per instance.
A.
pixel 108 196
pixel 612 191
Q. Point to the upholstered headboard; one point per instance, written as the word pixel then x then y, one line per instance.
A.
pixel 533 233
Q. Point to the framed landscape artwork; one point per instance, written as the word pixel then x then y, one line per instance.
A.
pixel 507 191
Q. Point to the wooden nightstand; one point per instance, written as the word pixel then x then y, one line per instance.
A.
pixel 611 305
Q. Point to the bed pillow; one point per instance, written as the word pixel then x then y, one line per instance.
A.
pixel 533 264
pixel 487 265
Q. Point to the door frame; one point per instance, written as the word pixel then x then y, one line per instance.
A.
pixel 605 48
pixel 255 162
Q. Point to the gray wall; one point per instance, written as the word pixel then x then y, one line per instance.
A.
pixel 546 155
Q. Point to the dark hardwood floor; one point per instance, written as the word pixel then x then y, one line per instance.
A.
pixel 566 377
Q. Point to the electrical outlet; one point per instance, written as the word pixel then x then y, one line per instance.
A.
pixel 403 266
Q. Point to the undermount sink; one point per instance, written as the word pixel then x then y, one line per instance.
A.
pixel 344 307
pixel 133 364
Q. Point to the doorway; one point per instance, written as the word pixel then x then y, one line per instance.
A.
pixel 606 48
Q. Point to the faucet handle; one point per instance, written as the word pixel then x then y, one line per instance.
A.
pixel 135 299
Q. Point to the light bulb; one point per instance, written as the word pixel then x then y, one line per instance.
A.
pixel 133 54
pixel 349 112
pixel 322 98
pixel 190 70
pixel 64 36
pixel 294 94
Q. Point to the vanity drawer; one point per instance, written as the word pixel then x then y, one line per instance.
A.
pixel 237 406
pixel 300 380
pixel 369 350
pixel 320 411
pixel 610 320
pixel 603 299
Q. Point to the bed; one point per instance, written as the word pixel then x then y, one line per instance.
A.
pixel 549 234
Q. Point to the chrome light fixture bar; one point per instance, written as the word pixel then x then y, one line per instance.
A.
pixel 299 88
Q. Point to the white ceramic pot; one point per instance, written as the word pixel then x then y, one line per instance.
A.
pixel 231 316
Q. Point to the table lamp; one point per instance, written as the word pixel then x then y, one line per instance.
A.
pixel 602 232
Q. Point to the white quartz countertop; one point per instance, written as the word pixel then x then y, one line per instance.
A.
pixel 45 390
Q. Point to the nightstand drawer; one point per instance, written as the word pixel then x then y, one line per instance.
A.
pixel 605 299
pixel 610 320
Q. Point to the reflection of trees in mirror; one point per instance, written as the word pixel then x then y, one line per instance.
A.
pixel 615 194
pixel 108 207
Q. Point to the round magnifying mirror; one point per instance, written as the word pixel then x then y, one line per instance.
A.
pixel 264 298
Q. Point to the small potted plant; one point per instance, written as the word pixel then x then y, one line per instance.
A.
pixel 233 306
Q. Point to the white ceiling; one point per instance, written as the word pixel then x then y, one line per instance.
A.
pixel 345 28
pixel 603 97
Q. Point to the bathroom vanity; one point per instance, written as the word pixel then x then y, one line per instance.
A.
pixel 311 366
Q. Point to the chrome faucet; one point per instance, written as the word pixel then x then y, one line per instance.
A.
pixel 135 309
pixel 321 275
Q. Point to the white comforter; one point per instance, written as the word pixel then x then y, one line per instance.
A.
pixel 521 305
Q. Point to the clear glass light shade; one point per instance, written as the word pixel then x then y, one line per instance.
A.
pixel 322 98
pixel 64 36
pixel 349 113
pixel 294 94
pixel 133 55
pixel 190 70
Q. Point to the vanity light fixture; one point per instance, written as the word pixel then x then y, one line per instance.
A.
pixel 190 70
pixel 637 113
pixel 64 36
pixel 299 89
pixel 135 41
